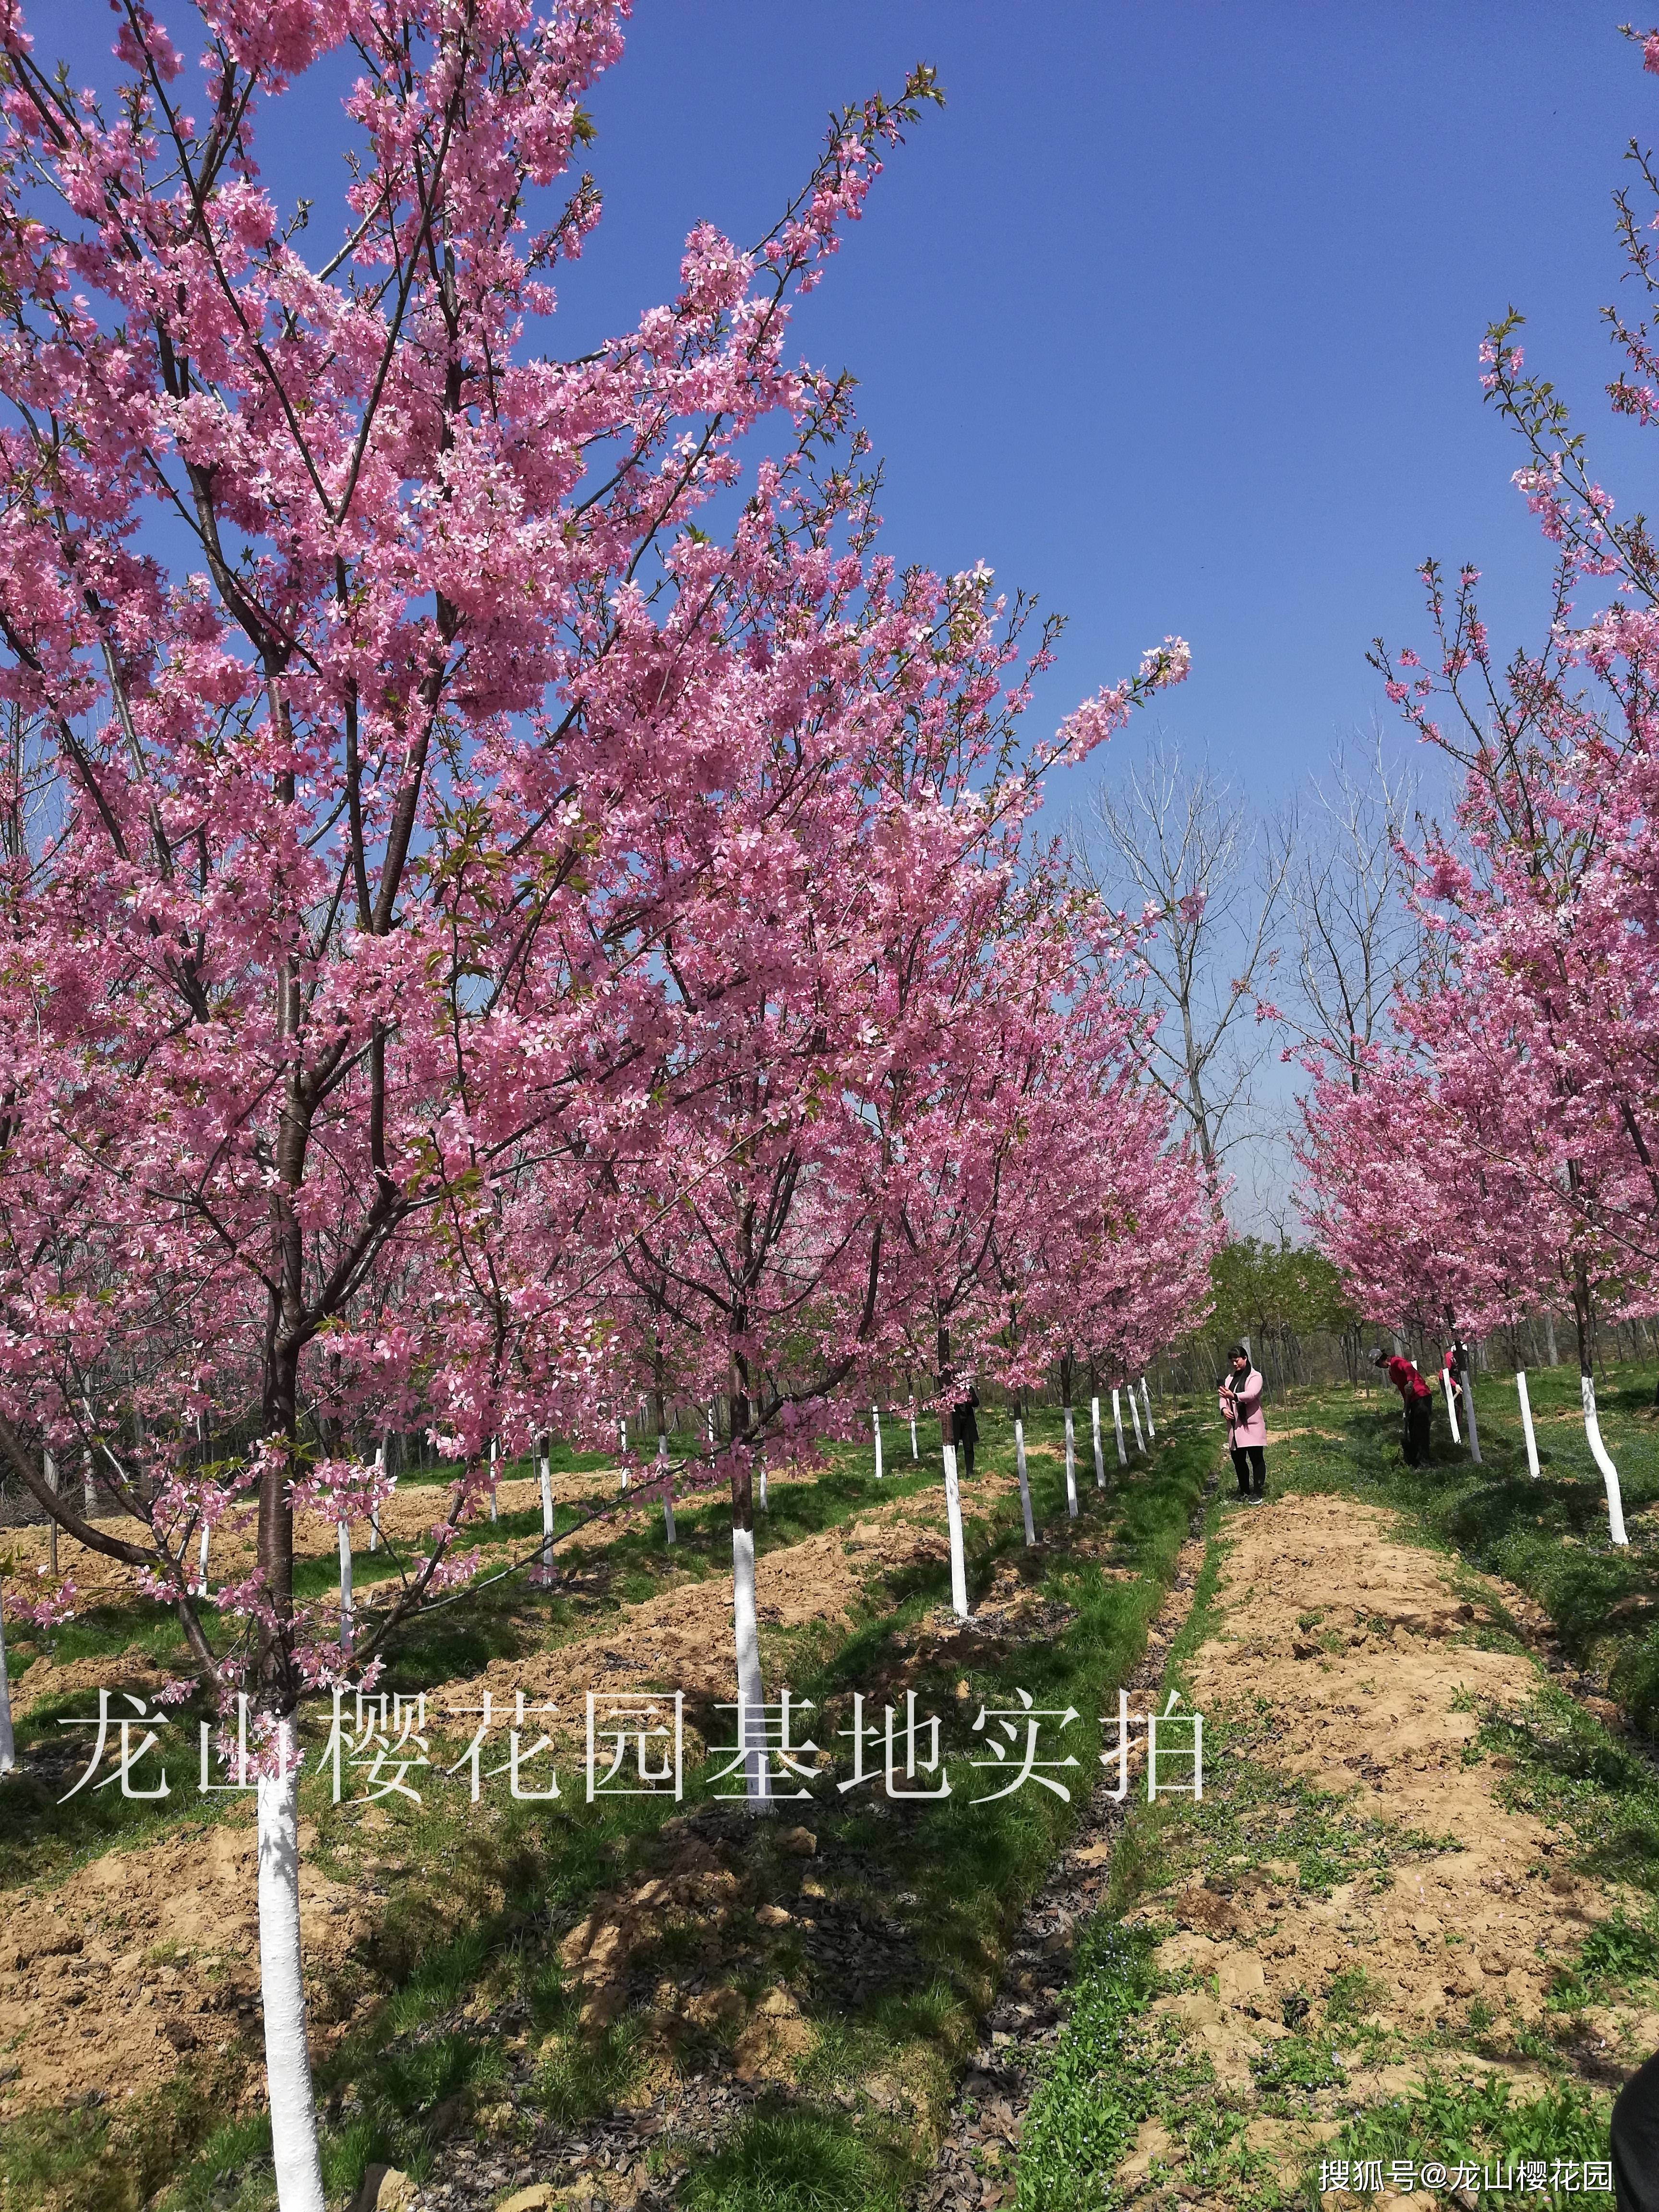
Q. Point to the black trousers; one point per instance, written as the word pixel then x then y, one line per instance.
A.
pixel 1419 1415
pixel 1250 1460
pixel 1636 2140
pixel 965 1450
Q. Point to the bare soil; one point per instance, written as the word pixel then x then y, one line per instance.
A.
pixel 144 1961
pixel 1356 1642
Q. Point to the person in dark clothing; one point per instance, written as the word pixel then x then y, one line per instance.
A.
pixel 1417 1400
pixel 967 1430
pixel 1636 2140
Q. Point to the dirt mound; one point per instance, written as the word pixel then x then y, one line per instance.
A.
pixel 108 1981
pixel 167 1961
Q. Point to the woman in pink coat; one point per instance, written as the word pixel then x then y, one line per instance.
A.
pixel 1247 1426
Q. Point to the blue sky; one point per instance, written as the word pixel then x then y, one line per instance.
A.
pixel 1172 314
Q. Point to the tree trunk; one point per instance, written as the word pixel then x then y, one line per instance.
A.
pixel 345 1587
pixel 545 1573
pixel 288 2060
pixel 669 1536
pixel 1100 1456
pixel 1117 1423
pixel 8 1747
pixel 1549 1341
pixel 745 1624
pixel 1135 1415
pixel 1468 1408
pixel 952 1494
pixel 1146 1401
pixel 1025 1482
pixel 1599 1453
pixel 875 1422
pixel 1526 1422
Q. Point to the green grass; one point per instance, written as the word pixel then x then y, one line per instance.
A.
pixel 1549 1536
pixel 1119 2065
pixel 785 2160
pixel 1449 2122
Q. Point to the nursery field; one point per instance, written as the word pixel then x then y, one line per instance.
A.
pixel 1412 1918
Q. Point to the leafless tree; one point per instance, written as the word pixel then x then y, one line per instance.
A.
pixel 1348 928
pixel 1192 855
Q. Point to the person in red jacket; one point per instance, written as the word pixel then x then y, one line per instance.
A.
pixel 1417 1399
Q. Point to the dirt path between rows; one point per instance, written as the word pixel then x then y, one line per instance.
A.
pixel 110 1977
pixel 1347 1643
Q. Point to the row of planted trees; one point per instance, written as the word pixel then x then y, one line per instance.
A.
pixel 1499 1161
pixel 506 907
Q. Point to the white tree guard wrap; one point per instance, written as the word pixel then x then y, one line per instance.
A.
pixel 1117 1422
pixel 1146 1401
pixel 544 1565
pixel 953 1523
pixel 8 1743
pixel 1451 1407
pixel 1599 1453
pixel 1525 1424
pixel 751 1701
pixel 1135 1415
pixel 345 1587
pixel 875 1422
pixel 1025 1482
pixel 281 1988
pixel 1070 1467
pixel 1100 1456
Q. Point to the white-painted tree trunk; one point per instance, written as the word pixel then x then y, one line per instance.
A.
pixel 1117 1422
pixel 1146 1401
pixel 1100 1456
pixel 624 1435
pixel 89 1484
pixel 761 1498
pixel 875 1422
pixel 1451 1406
pixel 1070 1467
pixel 1469 1412
pixel 1525 1424
pixel 202 1549
pixel 953 1523
pixel 375 1514
pixel 1135 1415
pixel 667 1490
pixel 1025 1482
pixel 493 1513
pixel 751 1700
pixel 711 1428
pixel 51 1525
pixel 545 1564
pixel 345 1587
pixel 916 1452
pixel 8 1745
pixel 281 1988
pixel 1599 1454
